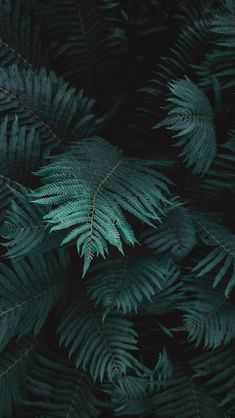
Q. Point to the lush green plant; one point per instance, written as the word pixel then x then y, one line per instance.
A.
pixel 117 180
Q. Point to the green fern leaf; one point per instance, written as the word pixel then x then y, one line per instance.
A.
pixel 14 365
pixel 24 230
pixel 87 38
pixel 188 49
pixel 74 394
pixel 191 116
pixel 45 102
pixel 121 284
pixel 19 155
pixel 93 184
pixel 28 292
pixel 219 61
pixel 171 294
pixel 175 235
pixel 222 256
pixel 184 397
pixel 100 347
pixel 20 41
pixel 217 371
pixel 208 315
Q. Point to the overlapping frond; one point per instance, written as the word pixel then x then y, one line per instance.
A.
pixel 221 175
pixel 87 38
pixel 221 258
pixel 207 315
pixel 175 235
pixel 217 371
pixel 93 184
pixel 28 292
pixel 103 348
pixel 23 229
pixel 185 398
pixel 20 40
pixel 15 361
pixel 188 49
pixel 74 394
pixel 44 101
pixel 219 62
pixel 20 155
pixel 122 283
pixel 169 297
pixel 191 116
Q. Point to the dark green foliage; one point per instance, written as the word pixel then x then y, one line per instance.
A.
pixel 175 234
pixel 20 38
pixel 117 271
pixel 44 101
pixel 72 396
pixel 15 362
pixel 86 36
pixel 214 234
pixel 24 229
pixel 20 155
pixel 121 284
pixel 28 292
pixel 102 347
pixel 219 62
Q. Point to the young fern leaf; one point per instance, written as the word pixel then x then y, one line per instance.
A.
pixel 19 155
pixel 174 236
pixel 208 315
pixel 28 292
pixel 15 362
pixel 24 230
pixel 20 41
pixel 121 284
pixel 222 257
pixel 191 116
pixel 101 347
pixel 92 185
pixel 45 102
pixel 74 394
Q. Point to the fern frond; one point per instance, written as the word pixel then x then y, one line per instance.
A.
pixel 121 284
pixel 24 230
pixel 93 184
pixel 217 371
pixel 15 362
pixel 28 292
pixel 92 38
pixel 175 235
pixel 221 175
pixel 184 397
pixel 20 40
pixel 221 258
pixel 188 49
pixel 101 347
pixel 47 103
pixel 219 62
pixel 73 395
pixel 20 155
pixel 191 116
pixel 169 297
pixel 208 315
